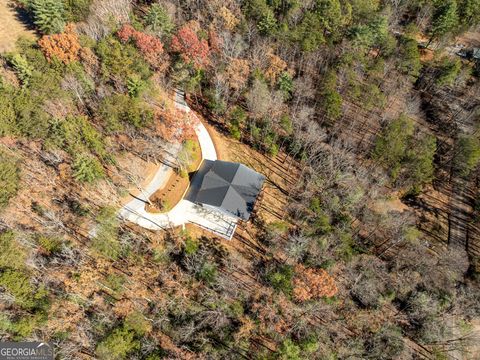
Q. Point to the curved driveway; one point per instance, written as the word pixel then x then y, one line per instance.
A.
pixel 185 211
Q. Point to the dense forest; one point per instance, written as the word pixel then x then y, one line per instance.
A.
pixel 362 114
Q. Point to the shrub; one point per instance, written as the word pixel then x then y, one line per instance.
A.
pixel 26 296
pixel 278 227
pixel 280 278
pixel 12 254
pixel 410 57
pixel 267 24
pixel 77 10
pixel 106 241
pixel 286 124
pixel 8 124
pixel 189 155
pixel 191 246
pixel 215 101
pixel 467 155
pixel 158 20
pixel 51 244
pixel 120 60
pixel 289 351
pixel 285 83
pixel 321 222
pixel 32 120
pixel 387 343
pixel 76 135
pixel 208 273
pixel 310 344
pixel 115 283
pixel 238 116
pixel 391 146
pixel 9 178
pixel 235 132
pixel 271 145
pixel 135 86
pixel 49 15
pixel 117 345
pixel 447 71
pixel 136 321
pixel 22 68
pixel 87 168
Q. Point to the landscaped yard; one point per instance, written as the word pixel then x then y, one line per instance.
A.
pixel 169 195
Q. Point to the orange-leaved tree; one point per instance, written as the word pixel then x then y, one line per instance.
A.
pixel 214 40
pixel 237 73
pixel 311 284
pixel 174 125
pixel 275 67
pixel 64 47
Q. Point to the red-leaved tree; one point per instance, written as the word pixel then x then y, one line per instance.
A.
pixel 126 32
pixel 191 49
pixel 149 46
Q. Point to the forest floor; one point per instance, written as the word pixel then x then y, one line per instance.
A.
pixel 12 27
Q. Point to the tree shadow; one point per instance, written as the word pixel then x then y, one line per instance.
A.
pixel 23 16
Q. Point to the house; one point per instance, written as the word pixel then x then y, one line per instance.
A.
pixel 476 54
pixel 470 54
pixel 226 187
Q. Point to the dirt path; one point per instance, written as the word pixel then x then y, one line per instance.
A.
pixel 11 27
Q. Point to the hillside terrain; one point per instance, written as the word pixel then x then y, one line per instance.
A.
pixel 362 115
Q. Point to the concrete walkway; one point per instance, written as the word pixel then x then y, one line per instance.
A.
pixel 185 211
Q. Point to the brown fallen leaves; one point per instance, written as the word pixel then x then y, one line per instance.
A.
pixel 311 284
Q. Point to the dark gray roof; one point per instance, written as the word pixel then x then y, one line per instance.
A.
pixel 476 53
pixel 233 187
